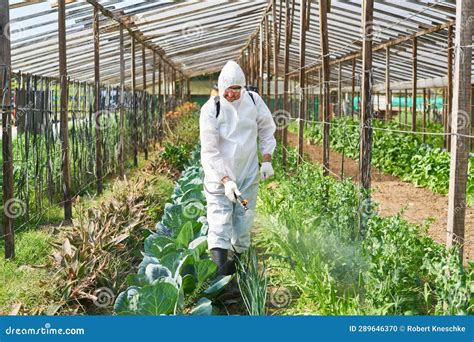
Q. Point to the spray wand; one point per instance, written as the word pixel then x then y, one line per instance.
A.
pixel 243 202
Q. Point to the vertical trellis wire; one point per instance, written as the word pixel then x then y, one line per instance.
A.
pixel 37 140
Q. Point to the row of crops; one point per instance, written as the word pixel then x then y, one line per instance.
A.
pixel 310 245
pixel 176 275
pixel 313 248
pixel 400 154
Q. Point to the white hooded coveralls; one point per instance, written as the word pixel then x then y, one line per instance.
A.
pixel 229 148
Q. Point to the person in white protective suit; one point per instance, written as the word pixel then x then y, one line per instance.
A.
pixel 229 127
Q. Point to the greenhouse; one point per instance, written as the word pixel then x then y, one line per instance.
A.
pixel 250 158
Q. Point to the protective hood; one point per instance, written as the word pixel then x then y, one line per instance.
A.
pixel 231 74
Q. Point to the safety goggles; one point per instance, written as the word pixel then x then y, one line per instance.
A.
pixel 234 89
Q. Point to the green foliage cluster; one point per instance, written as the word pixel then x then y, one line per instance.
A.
pixel 392 268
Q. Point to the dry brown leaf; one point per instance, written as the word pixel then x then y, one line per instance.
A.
pixel 67 249
pixel 15 309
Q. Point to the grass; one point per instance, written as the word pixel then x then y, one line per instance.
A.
pixel 34 287
pixel 23 282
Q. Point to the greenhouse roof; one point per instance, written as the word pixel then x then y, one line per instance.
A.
pixel 198 37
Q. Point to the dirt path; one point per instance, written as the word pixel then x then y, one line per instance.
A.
pixel 392 195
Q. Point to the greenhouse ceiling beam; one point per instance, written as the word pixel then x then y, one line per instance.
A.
pixel 136 34
pixel 254 34
pixel 383 46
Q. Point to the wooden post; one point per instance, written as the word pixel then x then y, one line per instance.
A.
pixel 260 83
pixel 320 95
pixel 301 113
pixel 255 57
pixel 267 59
pixel 165 87
pixel 461 125
pixel 339 90
pixel 388 95
pixel 449 100
pixel 161 113
pixel 286 80
pixel 252 62
pixel 250 59
pixel 121 109
pixel 428 110
pixel 353 85
pixel 153 100
pixel 325 72
pixel 188 88
pixel 255 61
pixel 145 109
pixel 406 106
pixel 244 64
pixel 98 124
pixel 249 76
pixel 444 118
pixel 400 106
pixel 65 166
pixel 276 49
pixel 135 112
pixel 414 83
pixel 366 111
pixel 424 115
pixel 7 151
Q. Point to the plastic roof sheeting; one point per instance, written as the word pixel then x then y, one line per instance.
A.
pixel 198 37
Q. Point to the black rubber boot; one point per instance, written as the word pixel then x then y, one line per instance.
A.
pixel 233 290
pixel 233 263
pixel 225 267
pixel 219 256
